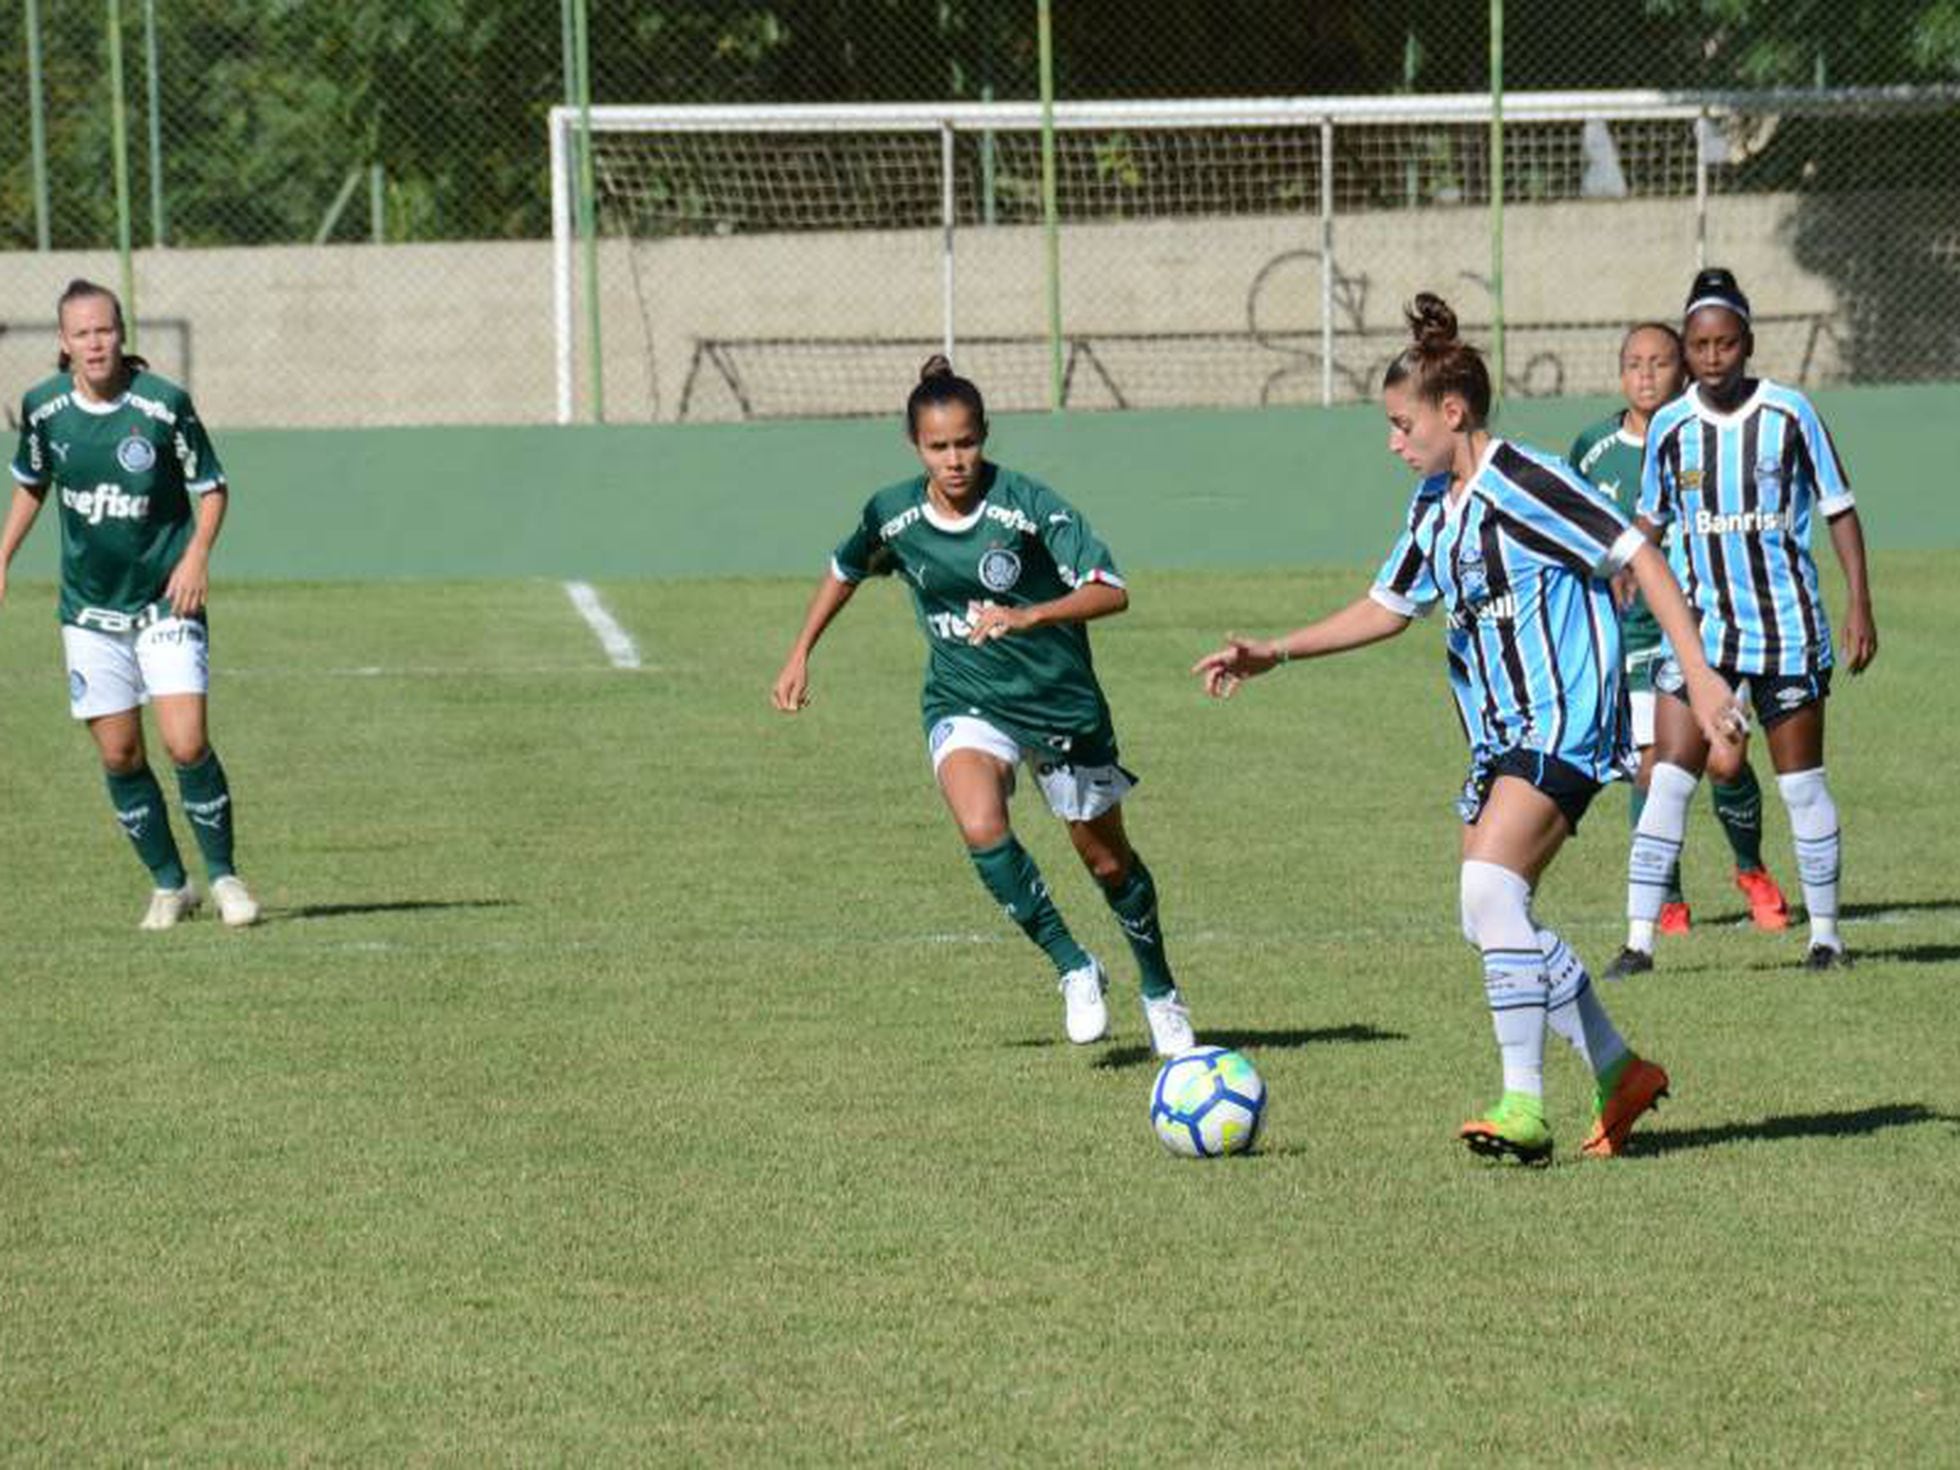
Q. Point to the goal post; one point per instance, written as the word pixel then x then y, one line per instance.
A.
pixel 782 261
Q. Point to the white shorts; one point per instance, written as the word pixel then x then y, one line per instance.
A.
pixel 112 672
pixel 1073 793
pixel 1642 701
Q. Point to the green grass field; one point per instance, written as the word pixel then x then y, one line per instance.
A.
pixel 627 1073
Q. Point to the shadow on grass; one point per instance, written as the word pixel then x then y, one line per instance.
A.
pixel 1851 1123
pixel 398 906
pixel 1905 954
pixel 1284 1039
pixel 1739 918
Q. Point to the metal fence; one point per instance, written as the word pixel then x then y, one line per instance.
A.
pixel 347 207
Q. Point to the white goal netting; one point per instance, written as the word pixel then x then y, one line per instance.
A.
pixel 800 262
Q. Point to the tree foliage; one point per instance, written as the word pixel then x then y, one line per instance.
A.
pixel 268 106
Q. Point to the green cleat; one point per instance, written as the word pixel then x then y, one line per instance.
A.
pixel 1514 1131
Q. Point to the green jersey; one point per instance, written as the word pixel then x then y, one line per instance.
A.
pixel 1609 457
pixel 124 474
pixel 1023 544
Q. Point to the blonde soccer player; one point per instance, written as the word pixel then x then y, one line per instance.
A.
pixel 141 496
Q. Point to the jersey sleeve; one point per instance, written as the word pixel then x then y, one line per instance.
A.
pixel 1562 518
pixel 863 553
pixel 195 456
pixel 31 456
pixel 1406 584
pixel 1658 490
pixel 1079 556
pixel 1834 496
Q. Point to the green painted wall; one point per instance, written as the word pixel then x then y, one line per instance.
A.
pixel 1185 489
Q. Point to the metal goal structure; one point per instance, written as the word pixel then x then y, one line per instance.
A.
pixel 799 261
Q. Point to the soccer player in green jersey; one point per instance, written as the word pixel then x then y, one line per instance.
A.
pixel 1004 574
pixel 141 496
pixel 1653 371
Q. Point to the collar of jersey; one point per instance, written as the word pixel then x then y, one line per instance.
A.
pixel 939 521
pixel 1741 411
pixel 1454 508
pixel 96 406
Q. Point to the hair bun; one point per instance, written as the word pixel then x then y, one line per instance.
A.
pixel 1432 324
pixel 937 366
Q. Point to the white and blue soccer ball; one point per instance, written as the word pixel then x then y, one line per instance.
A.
pixel 1208 1101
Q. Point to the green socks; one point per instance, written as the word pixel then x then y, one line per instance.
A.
pixel 1739 808
pixel 207 802
pixel 1134 902
pixel 1012 878
pixel 138 801
pixel 1673 893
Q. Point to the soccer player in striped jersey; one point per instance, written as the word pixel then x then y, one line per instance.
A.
pixel 142 496
pixel 1653 373
pixel 1736 467
pixel 1004 574
pixel 1517 550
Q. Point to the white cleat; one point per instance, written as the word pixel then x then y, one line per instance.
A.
pixel 1170 1024
pixel 169 907
pixel 236 906
pixel 1082 994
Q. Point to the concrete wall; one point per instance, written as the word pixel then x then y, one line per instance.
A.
pixel 430 334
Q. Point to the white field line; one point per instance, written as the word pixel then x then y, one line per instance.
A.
pixel 617 642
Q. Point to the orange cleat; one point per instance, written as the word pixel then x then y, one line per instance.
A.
pixel 1640 1086
pixel 1768 909
pixel 1675 918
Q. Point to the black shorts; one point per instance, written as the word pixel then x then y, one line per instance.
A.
pixel 1570 788
pixel 1772 697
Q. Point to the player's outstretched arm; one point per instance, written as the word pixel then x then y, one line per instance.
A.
pixel 1360 623
pixel 1858 638
pixel 1714 706
pixel 21 511
pixel 791 690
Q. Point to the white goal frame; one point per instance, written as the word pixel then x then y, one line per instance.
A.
pixel 1325 114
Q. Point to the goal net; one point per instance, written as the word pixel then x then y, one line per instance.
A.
pixel 759 262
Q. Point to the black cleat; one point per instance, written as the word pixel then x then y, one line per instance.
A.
pixel 1823 957
pixel 1629 961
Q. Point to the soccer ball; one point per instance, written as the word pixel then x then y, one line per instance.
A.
pixel 1207 1101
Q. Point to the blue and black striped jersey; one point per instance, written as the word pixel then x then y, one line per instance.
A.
pixel 1518 561
pixel 1740 488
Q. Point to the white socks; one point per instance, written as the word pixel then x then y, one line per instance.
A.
pixel 1573 1010
pixel 1814 826
pixel 1656 849
pixel 1497 914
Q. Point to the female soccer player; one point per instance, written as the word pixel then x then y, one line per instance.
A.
pixel 1652 373
pixel 1004 573
pixel 142 496
pixel 1736 466
pixel 1517 550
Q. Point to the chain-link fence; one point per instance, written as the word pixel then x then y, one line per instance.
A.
pixel 342 214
